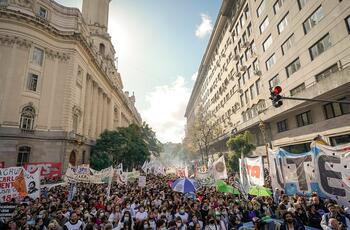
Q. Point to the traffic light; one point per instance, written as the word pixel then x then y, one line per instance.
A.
pixel 276 97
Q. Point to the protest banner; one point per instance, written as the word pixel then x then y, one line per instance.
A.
pixel 254 170
pixel 205 179
pixel 16 182
pixel 324 170
pixel 80 173
pixel 7 210
pixel 142 181
pixel 49 170
pixel 219 169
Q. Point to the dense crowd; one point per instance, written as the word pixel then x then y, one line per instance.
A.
pixel 157 207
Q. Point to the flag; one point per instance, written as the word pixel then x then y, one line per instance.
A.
pixel 72 191
pixel 221 186
pixel 219 169
pixel 119 169
pixel 20 185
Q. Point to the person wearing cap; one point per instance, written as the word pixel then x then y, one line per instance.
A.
pixel 333 213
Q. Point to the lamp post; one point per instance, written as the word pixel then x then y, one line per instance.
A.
pixel 262 128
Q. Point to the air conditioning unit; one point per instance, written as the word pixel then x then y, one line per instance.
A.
pixel 236 57
pixel 243 68
pixel 240 91
pixel 257 72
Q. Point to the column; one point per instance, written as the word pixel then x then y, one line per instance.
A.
pixel 94 110
pixel 110 114
pixel 105 107
pixel 99 112
pixel 120 117
pixel 87 106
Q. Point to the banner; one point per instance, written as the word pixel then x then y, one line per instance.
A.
pixel 254 168
pixel 49 170
pixel 219 169
pixel 16 182
pixel 324 170
pixel 142 181
pixel 7 210
pixel 102 176
pixel 80 173
pixel 205 179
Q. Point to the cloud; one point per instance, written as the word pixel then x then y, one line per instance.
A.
pixel 205 27
pixel 165 114
pixel 194 76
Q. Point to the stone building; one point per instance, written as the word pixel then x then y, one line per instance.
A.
pixel 59 83
pixel 301 45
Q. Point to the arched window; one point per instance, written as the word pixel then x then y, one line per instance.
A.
pixel 27 118
pixel 23 155
pixel 102 49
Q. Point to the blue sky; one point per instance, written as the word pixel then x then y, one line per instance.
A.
pixel 160 44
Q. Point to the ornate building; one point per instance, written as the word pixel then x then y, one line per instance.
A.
pixel 59 85
pixel 301 45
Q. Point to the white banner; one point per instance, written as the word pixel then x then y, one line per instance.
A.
pixel 219 169
pixel 254 169
pixel 324 170
pixel 142 181
pixel 16 182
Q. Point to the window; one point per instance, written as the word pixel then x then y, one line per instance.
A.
pixel 270 62
pixel 258 86
pixel 256 65
pixel 242 100
pixel 250 72
pixel 320 47
pixel 27 118
pixel 299 148
pixel 23 155
pixel 240 82
pixel 287 44
pixel 242 20
pixel 313 20
pixel 246 12
pixel 304 119
pixel 261 8
pixel 297 89
pixel 239 44
pixel 38 56
pixel 246 97
pixel 340 140
pixel 264 25
pixel 325 73
pixel 282 126
pixel 3 2
pixel 252 92
pixel 42 12
pixel 347 22
pixel 244 37
pixel 267 43
pixel 102 49
pixel 282 24
pixel 274 81
pixel 32 82
pixel 332 110
pixel 278 5
pixel 249 29
pixel 302 3
pixel 253 48
pixel 293 67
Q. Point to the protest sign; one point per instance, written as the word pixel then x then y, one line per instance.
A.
pixel 49 170
pixel 254 170
pixel 7 210
pixel 142 181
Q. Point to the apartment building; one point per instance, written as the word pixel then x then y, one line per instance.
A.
pixel 301 45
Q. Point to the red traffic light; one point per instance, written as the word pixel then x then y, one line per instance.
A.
pixel 277 90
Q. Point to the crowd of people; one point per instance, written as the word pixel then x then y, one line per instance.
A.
pixel 157 207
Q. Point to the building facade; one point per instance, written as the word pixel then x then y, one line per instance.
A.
pixel 59 84
pixel 302 46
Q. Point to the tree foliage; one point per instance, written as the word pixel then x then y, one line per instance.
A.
pixel 201 133
pixel 130 145
pixel 241 145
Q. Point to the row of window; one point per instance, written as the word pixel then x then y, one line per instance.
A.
pixel 331 110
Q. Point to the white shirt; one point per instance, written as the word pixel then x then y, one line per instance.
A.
pixel 141 215
pixel 184 217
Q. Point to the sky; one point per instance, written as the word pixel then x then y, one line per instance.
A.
pixel 159 45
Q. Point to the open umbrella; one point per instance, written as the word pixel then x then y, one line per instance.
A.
pixel 184 185
pixel 259 191
pixel 221 186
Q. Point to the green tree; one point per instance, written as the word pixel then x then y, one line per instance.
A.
pixel 241 145
pixel 128 145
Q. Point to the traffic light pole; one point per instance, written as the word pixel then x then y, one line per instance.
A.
pixel 314 100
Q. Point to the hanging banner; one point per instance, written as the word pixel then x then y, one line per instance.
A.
pixel 205 179
pixel 16 182
pixel 49 170
pixel 254 168
pixel 102 176
pixel 324 170
pixel 80 173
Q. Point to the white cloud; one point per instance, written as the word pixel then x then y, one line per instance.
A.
pixel 194 76
pixel 205 27
pixel 166 110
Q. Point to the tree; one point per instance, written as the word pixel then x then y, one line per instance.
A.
pixel 241 145
pixel 202 132
pixel 130 145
